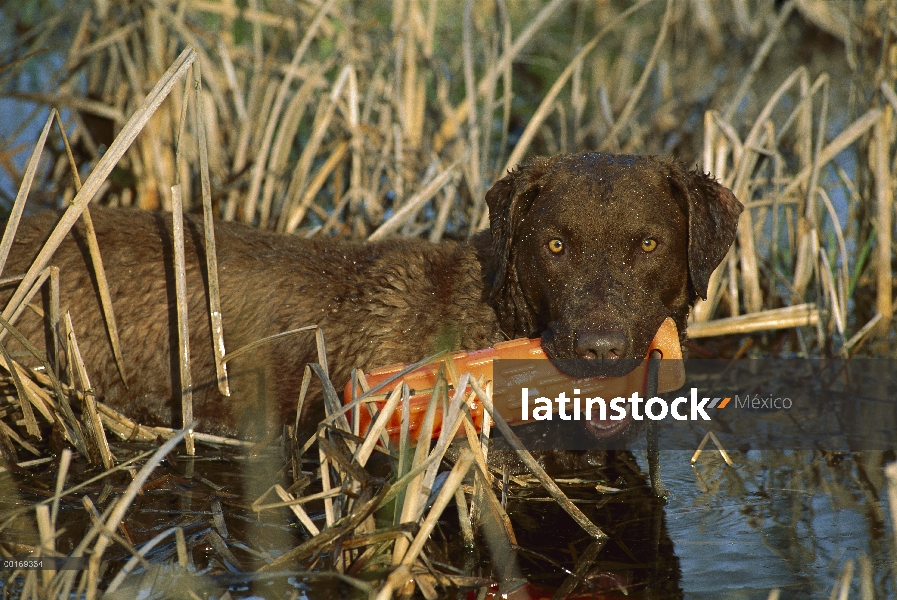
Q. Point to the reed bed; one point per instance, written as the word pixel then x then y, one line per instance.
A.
pixel 326 119
pixel 330 119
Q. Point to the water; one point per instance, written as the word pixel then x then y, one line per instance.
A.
pixel 783 516
pixel 775 520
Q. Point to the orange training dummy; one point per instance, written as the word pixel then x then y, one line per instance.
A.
pixel 479 364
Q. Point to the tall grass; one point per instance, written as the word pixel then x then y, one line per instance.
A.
pixel 365 120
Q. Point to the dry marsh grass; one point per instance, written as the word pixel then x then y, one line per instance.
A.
pixel 328 118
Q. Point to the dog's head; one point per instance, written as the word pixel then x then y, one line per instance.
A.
pixel 593 251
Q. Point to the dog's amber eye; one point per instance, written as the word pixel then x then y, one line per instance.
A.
pixel 556 246
pixel 649 244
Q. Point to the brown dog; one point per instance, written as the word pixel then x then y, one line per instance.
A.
pixel 591 252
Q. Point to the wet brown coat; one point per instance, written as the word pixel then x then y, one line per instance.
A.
pixel 392 301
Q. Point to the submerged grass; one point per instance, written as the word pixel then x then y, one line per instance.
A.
pixel 334 119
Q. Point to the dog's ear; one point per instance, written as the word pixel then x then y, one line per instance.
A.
pixel 713 212
pixel 509 199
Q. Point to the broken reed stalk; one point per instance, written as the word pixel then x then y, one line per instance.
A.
pixel 801 315
pixel 47 536
pixel 103 286
pixel 65 459
pixel 128 430
pixel 41 279
pixel 583 564
pixel 484 496
pixel 265 340
pixel 92 420
pixel 464 519
pixel 828 284
pixel 96 260
pixel 843 278
pixel 321 349
pixel 330 512
pixel 19 204
pixel 884 200
pixel 55 349
pixel 473 129
pixel 258 507
pixel 180 285
pixel 384 415
pixel 842 586
pixel 209 239
pixel 710 436
pixel 294 506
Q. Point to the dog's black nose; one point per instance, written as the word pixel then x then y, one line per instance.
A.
pixel 601 344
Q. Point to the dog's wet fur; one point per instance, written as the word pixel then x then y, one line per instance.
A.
pixel 590 252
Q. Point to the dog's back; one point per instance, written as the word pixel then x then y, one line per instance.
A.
pixel 393 301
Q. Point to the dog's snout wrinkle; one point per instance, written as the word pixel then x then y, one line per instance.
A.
pixel 601 344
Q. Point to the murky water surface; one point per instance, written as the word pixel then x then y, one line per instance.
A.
pixel 792 519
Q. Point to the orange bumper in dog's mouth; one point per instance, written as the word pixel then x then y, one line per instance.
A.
pixel 533 366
